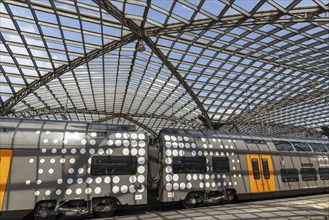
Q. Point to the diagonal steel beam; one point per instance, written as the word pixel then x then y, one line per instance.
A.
pixel 119 15
pixel 20 95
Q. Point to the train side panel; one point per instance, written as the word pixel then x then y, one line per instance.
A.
pixel 60 167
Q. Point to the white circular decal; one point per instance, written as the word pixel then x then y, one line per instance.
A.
pixel 68 191
pixel 116 179
pixel 107 180
pixel 115 189
pixel 98 190
pixel 124 189
pixel 168 187
pixel 141 136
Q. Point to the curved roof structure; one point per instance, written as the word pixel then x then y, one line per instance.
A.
pixel 256 65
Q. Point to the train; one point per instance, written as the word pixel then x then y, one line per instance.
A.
pixel 78 168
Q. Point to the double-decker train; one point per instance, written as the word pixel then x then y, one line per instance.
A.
pixel 78 168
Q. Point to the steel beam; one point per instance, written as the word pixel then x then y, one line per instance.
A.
pixel 119 15
pixel 46 111
pixel 260 18
pixel 20 95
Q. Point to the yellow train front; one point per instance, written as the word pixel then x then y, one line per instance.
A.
pixel 209 167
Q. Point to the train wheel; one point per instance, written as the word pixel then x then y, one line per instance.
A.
pixel 44 210
pixel 230 196
pixel 104 207
pixel 189 202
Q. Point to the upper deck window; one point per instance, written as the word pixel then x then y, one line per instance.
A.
pixel 283 146
pixel 189 165
pixel 221 164
pixel 299 146
pixel 317 147
pixel 253 141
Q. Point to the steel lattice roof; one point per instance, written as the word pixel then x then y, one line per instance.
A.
pixel 256 65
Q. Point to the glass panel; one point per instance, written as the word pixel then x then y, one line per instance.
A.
pixel 302 146
pixel 289 175
pixel 221 164
pixel 324 173
pixel 189 165
pixel 283 146
pixel 265 168
pixel 255 168
pixel 318 147
pixel 308 174
pixel 113 165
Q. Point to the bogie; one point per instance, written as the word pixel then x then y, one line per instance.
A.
pixel 45 210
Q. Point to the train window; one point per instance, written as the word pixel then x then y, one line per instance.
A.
pixel 196 133
pixel 220 164
pixel 308 174
pixel 189 165
pixel 299 146
pixel 255 168
pixel 265 168
pixel 324 173
pixel 318 147
pixel 113 165
pixel 253 141
pixel 289 175
pixel 283 146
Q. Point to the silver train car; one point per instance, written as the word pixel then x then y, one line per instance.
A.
pixel 77 168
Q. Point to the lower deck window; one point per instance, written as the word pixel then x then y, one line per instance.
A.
pixel 289 175
pixel 324 173
pixel 113 165
pixel 308 174
pixel 189 165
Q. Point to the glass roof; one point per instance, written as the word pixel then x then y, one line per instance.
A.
pixel 232 65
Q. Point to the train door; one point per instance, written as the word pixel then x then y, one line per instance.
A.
pixel 261 173
pixel 5 159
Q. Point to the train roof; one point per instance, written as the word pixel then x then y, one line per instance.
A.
pixel 243 135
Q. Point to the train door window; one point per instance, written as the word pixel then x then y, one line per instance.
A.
pixel 255 168
pixel 265 168
pixel 318 147
pixel 113 165
pixel 299 146
pixel 308 174
pixel 289 175
pixel 220 164
pixel 324 173
pixel 283 146
pixel 189 165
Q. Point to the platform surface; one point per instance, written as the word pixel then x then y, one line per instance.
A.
pixel 314 207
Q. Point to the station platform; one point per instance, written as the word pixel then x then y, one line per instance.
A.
pixel 315 207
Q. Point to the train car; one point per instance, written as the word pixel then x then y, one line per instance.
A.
pixel 56 167
pixel 207 167
pixel 77 168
